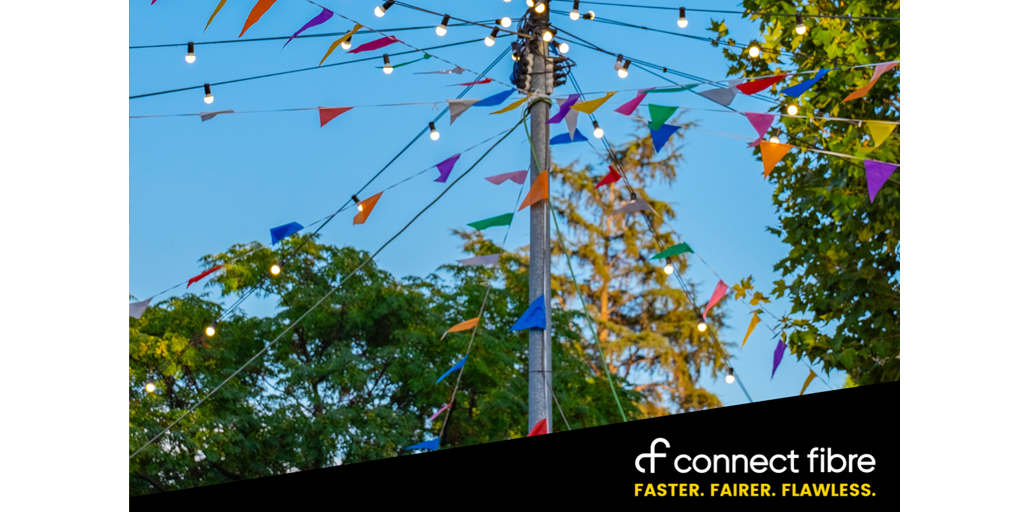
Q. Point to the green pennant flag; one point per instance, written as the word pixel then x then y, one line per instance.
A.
pixel 659 115
pixel 500 220
pixel 673 89
pixel 673 251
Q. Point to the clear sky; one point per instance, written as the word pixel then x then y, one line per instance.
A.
pixel 198 187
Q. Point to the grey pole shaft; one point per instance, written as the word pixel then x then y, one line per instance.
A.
pixel 540 240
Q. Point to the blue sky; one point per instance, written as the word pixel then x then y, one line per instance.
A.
pixel 198 187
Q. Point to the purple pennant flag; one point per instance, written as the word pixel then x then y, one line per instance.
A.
pixel 446 168
pixel 564 109
pixel 780 350
pixel 319 19
pixel 375 44
pixel 877 173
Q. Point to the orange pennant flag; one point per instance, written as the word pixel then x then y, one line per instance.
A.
pixel 879 70
pixel 538 191
pixel 256 13
pixel 771 153
pixel 365 207
pixel 468 324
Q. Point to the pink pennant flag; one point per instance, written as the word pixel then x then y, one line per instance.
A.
pixel 720 290
pixel 628 107
pixel 762 123
pixel 517 176
pixel 439 411
pixel 877 174
pixel 375 44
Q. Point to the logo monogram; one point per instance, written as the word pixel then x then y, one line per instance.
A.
pixel 653 455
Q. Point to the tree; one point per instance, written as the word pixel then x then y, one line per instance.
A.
pixel 842 273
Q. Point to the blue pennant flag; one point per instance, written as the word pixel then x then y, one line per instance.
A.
pixel 453 368
pixel 281 232
pixel 426 445
pixel 800 88
pixel 660 136
pixel 497 99
pixel 564 138
pixel 533 318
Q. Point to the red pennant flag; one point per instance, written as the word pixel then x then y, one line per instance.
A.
pixel 759 85
pixel 480 82
pixel 196 279
pixel 612 177
pixel 327 114
pixel 540 428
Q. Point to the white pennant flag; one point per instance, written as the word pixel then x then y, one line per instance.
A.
pixel 457 107
pixel 206 116
pixel 136 309
pixel 490 260
pixel 634 206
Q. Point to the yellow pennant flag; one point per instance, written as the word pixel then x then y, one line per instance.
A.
pixel 215 11
pixel 588 107
pixel 538 191
pixel 808 381
pixel 753 323
pixel 468 324
pixel 512 106
pixel 771 153
pixel 339 41
pixel 879 131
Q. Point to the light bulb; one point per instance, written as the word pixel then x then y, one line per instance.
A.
pixel 754 51
pixel 563 47
pixel 211 329
pixel 801 29
pixel 702 326
pixel 575 14
pixel 507 1
pixel 209 94
pixel 381 9
pixel 190 57
pixel 529 3
pixel 669 269
pixel 434 134
pixel 275 269
pixel 730 378
pixel 359 206
pixel 540 8
pixel 346 44
pixel 598 132
pixel 442 29
pixel 150 387
pixel 489 40
pixel 589 15
pixel 378 11
pixel 515 57
pixel 387 65
pixel 548 36
pixel 792 110
pixel 618 62
pixel 506 22
pixel 775 137
pixel 683 22
pixel 624 70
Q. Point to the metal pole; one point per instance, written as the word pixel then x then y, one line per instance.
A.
pixel 542 79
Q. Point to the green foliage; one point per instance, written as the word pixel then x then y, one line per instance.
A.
pixel 842 271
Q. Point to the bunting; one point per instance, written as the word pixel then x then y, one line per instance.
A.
pixel 478 82
pixel 319 19
pixel 612 177
pixel 365 207
pixel 489 260
pixel 438 413
pixel 538 191
pixel 515 104
pixel 808 381
pixel 457 107
pixel 518 177
pixel 566 139
pixel 500 220
pixel 661 135
pixel 533 318
pixel 723 97
pixel 329 113
pixel 214 15
pixel 780 350
pixel 761 122
pixel 495 100
pixel 771 154
pixel 462 326
pixel 634 206
pixel 796 90
pixel 879 71
pixel 564 106
pixel 256 13
pixel 753 323
pixel 720 290
pixel 675 250
pixel 673 89
pixel 198 278
pixel 376 44
pixel 433 444
pixel 877 173
pixel 659 114
pixel 136 309
pixel 206 116
pixel 458 365
pixel 346 37
pixel 756 86
pixel 628 107
pixel 445 167
pixel 588 107
pixel 570 119
pixel 454 71
pixel 540 428
pixel 879 131
pixel 281 232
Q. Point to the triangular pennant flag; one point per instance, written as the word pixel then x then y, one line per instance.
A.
pixel 198 278
pixel 756 86
pixel 879 70
pixel 659 115
pixel 327 114
pixel 490 260
pixel 795 91
pixel 673 89
pixel 317 20
pixel 780 350
pixel 445 167
pixel 588 107
pixel 458 365
pixel 808 381
pixel 438 413
pixel 478 82
pixel 426 445
pixel 628 107
pixel 533 318
pixel 206 116
pixel 675 250
pixel 457 107
pixel 515 104
pixel 720 290
pixel 540 428
pixel 212 16
pixel 462 326
pixel 570 123
pixel 136 309
pixel 279 233
pixel 879 131
pixel 565 139
pixel 660 136
pixel 538 191
pixel 771 153
pixel 877 174
pixel 365 207
pixel 500 220
pixel 494 100
pixel 516 176
pixel 612 177
pixel 347 36
pixel 634 206
pixel 256 13
pixel 750 329
pixel 564 106
pixel 723 97
pixel 454 71
pixel 376 44
pixel 761 122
